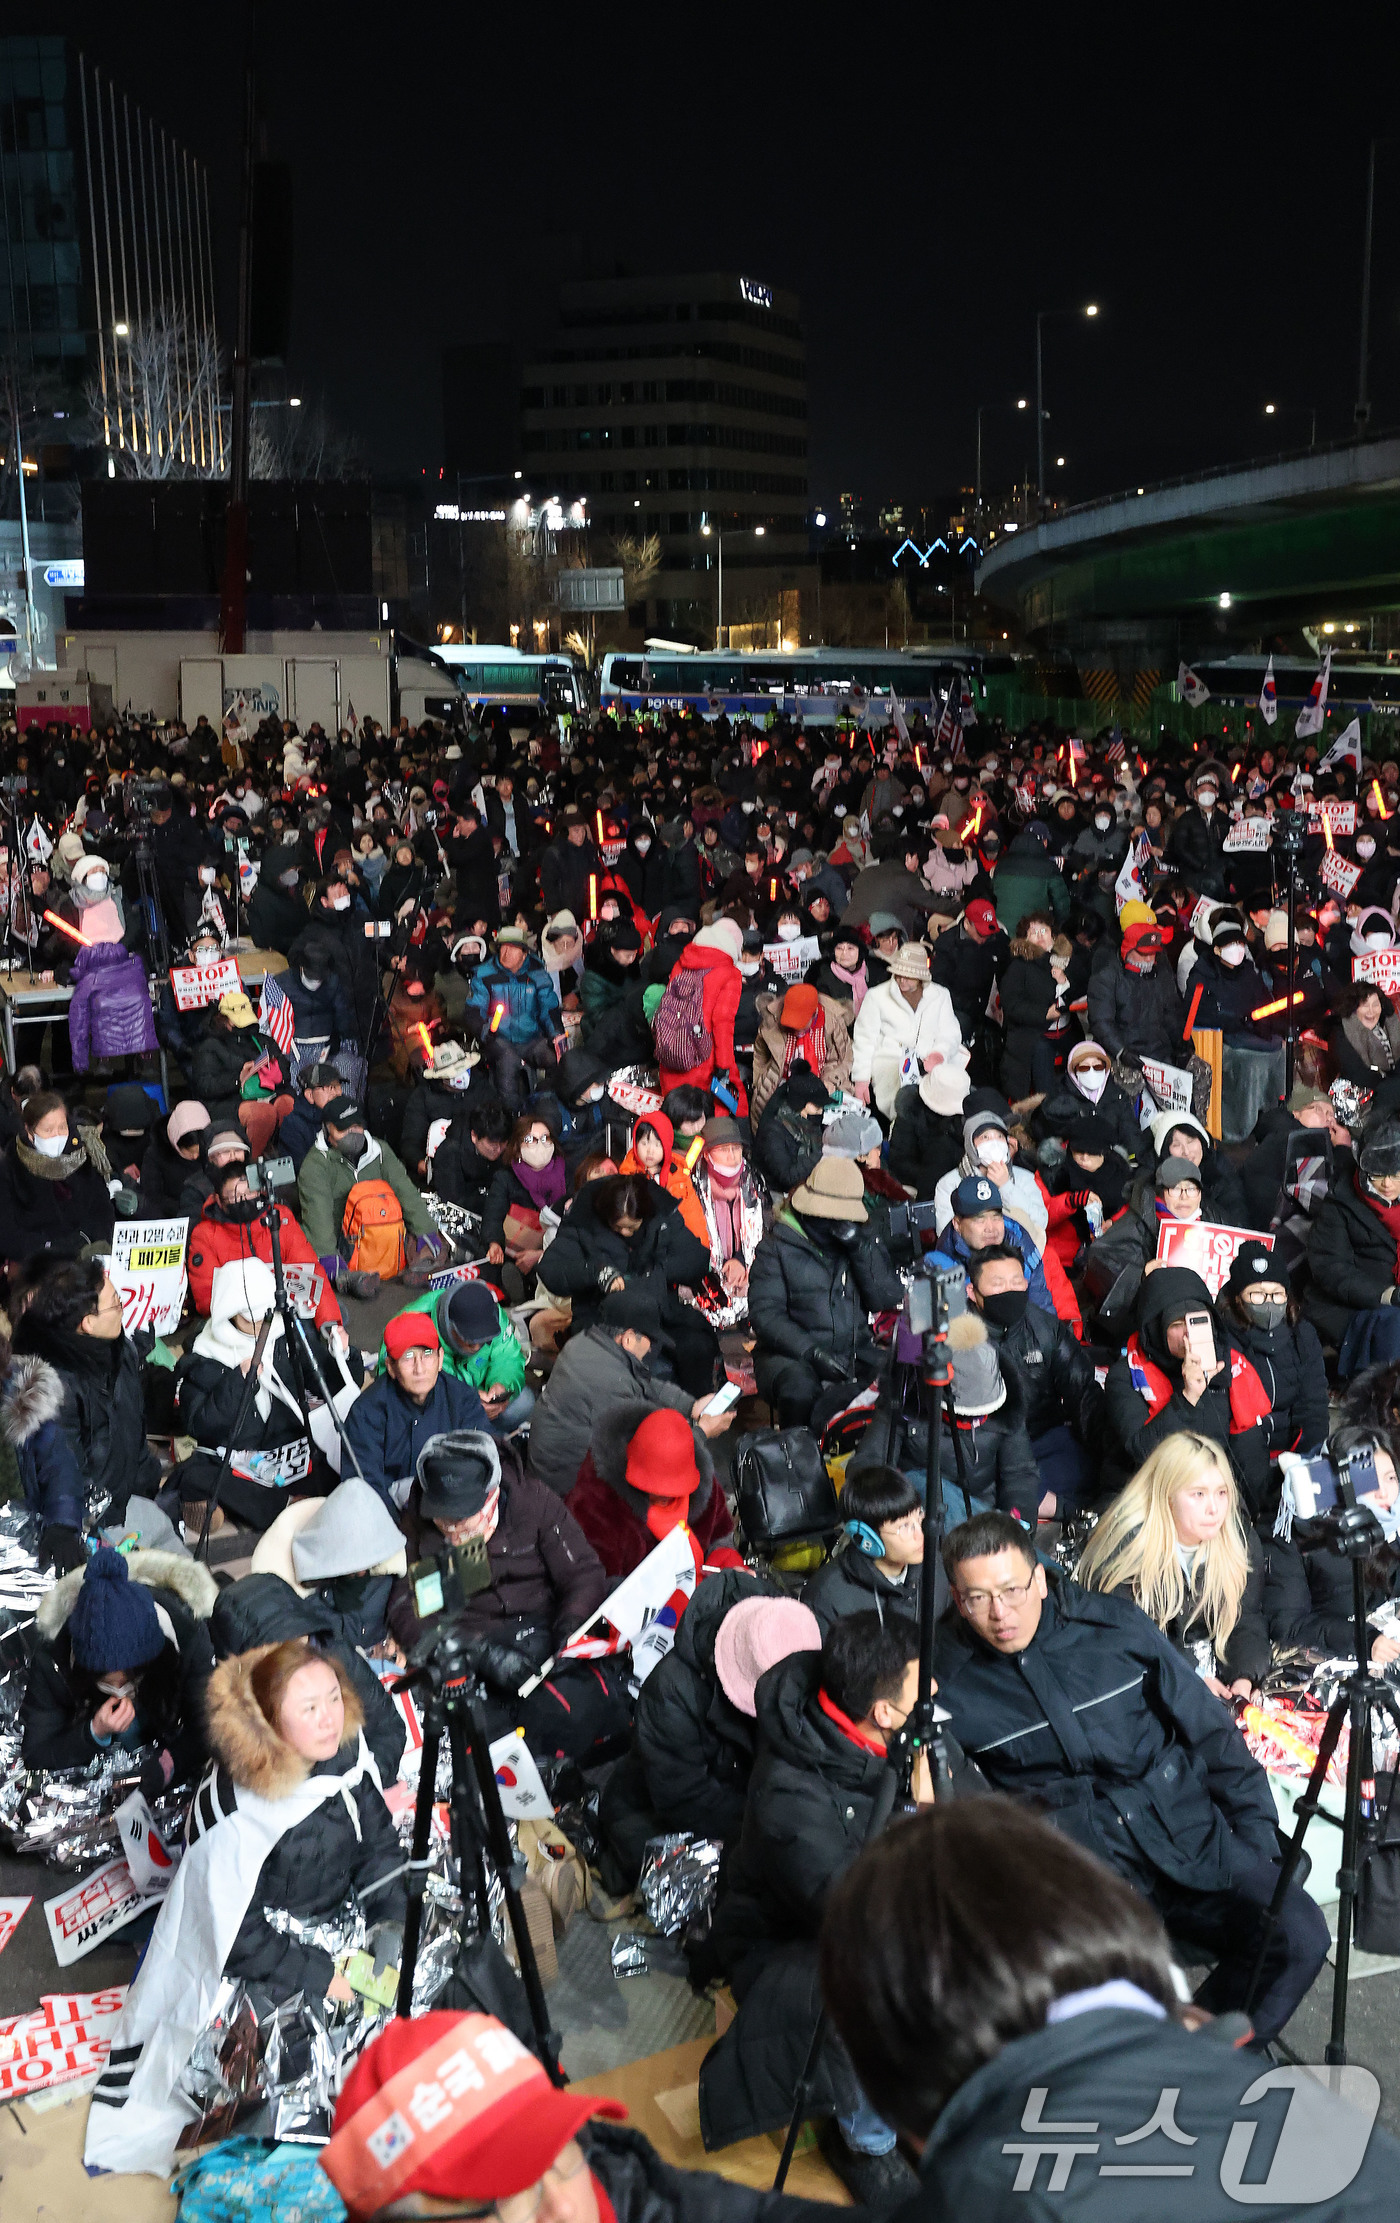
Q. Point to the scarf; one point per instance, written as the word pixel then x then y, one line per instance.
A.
pixel 1371 1044
pixel 808 1048
pixel 543 1184
pixel 665 1513
pixel 726 1200
pixel 228 1346
pixel 1249 1401
pixel 137 2113
pixel 856 982
pixel 851 1729
pixel 1387 1214
pixel 59 1170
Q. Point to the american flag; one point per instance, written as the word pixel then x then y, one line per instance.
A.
pixel 276 1016
pixel 1115 751
pixel 949 729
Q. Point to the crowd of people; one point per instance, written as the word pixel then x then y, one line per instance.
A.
pixel 641 1069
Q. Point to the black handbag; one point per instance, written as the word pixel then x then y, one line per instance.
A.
pixel 1376 1922
pixel 782 1488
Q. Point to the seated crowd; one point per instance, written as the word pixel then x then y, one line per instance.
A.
pixel 592 1087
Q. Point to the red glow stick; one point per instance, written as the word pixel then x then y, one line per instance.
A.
pixel 64 928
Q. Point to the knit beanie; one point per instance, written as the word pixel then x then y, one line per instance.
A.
pixel 187 1119
pixel 725 934
pixel 661 1456
pixel 753 1636
pixel 1380 1149
pixel 113 1623
pixel 852 1135
pixel 352 1531
pixel 977 1384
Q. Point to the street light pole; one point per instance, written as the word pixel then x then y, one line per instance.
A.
pixel 977 498
pixel 719 619
pixel 1039 412
pixel 1363 398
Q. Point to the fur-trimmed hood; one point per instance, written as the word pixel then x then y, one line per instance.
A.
pixel 612 1437
pixel 242 1738
pixel 184 1578
pixel 31 1395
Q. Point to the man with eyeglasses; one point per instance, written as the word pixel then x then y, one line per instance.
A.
pixel 1076 1700
pixel 450 2115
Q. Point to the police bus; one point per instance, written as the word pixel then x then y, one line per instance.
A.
pixel 818 685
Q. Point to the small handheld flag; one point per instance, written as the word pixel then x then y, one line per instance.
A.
pixel 1191 687
pixel 1311 715
pixel 1268 696
pixel 276 1016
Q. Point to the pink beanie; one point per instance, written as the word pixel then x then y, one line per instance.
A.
pixel 753 1636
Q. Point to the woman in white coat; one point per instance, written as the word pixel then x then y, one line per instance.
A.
pixel 906 1026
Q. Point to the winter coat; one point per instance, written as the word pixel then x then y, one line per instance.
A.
pixel 968 971
pixel 771 1049
pixel 1223 1193
pixel 786 1144
pixel 1195 846
pixel 1288 1361
pixel 60 1698
pixel 592 1375
pixel 326 1179
pixel 1163 1784
pixel 1111 2066
pixel 661 1257
pixel 1137 1014
pixel 1132 1436
pixel 1126 1244
pixel 805 1297
pixel 323 1013
pixel 1308 1594
pixel 1352 1258
pixel 430 1102
pixel 508 1194
pixel 546 1578
pixel 720 1005
pixel 527 998
pixel 924 1145
pixel 1026 881
pixel 48 1203
pixel 275 915
pixel 104 1410
pixel 889 887
pixel 263 1609
pixel 299 1130
pixel 500 1360
pixel 613 1515
pixel 1066 1107
pixel 1056 1375
pixel 461 1176
pixel 1246 1651
pixel 110 1015
pixel 997 1468
pixel 388 1430
pixel 1027 996
pixel 216 1062
pixel 1229 994
pixel 321 1860
pixel 692 1750
pixel 564 875
pixel 953 1250
pixel 854 1582
pixel 889 1029
pixel 52 1481
pixel 215 1238
pixel 1262 1174
pixel 163 1176
pixel 473 860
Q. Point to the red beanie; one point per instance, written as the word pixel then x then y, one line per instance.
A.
pixel 1143 934
pixel 800 1007
pixel 409 1328
pixel 661 1456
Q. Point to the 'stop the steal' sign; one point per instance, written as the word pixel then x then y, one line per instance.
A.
pixel 1206 1249
pixel 1381 966
pixel 197 985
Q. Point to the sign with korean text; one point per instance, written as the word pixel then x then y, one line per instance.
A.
pixel 198 985
pixel 1339 873
pixel 87 1913
pixel 638 1101
pixel 305 1286
pixel 147 1266
pixel 1205 1249
pixel 1381 966
pixel 68 2035
pixel 12 1913
pixel 1169 1084
pixel 792 960
pixel 1341 816
pixel 1248 833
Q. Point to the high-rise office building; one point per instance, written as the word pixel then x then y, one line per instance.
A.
pixel 677 408
pixel 106 235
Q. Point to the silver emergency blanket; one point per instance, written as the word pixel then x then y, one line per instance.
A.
pixel 629 1954
pixel 680 1875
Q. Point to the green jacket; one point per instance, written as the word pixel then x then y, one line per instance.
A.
pixel 1026 880
pixel 501 1360
pixel 326 1179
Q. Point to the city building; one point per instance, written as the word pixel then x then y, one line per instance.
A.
pixel 675 410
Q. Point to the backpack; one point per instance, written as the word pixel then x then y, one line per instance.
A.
pixel 372 1234
pixel 252 2176
pixel 682 1038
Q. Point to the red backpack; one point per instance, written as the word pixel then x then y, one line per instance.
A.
pixel 682 1038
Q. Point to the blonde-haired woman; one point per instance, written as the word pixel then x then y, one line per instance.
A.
pixel 1174 1540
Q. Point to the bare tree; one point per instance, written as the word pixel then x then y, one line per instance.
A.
pixel 159 408
pixel 640 561
pixel 302 444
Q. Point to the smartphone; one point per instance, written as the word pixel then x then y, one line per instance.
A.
pixel 722 1400
pixel 1200 1338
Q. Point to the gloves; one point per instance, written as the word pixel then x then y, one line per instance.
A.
pixel 500 1666
pixel 385 1942
pixel 64 1546
pixel 1390 1295
pixel 826 1368
pixel 156 1776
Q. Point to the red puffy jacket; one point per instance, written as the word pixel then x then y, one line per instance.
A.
pixel 214 1240
pixel 723 986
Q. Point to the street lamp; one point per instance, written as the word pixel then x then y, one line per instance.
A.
pixel 711 532
pixel 1090 309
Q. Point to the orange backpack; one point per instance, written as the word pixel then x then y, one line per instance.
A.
pixel 372 1230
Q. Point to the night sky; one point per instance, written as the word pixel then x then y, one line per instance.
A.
pixel 924 192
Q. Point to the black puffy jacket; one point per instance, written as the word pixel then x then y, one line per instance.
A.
pixel 216 1062
pixel 924 1145
pixel 1308 1594
pixel 1196 847
pixel 1352 1256
pixel 852 1582
pixel 968 969
pixel 104 1410
pixel 786 1144
pixel 1066 1108
pixel 1288 1361
pixel 460 1175
pixel 1165 1296
pixel 1027 994
pixel 1137 1014
pixel 1056 1374
pixel 804 1296
pixel 60 1697
pixel 662 1256
pixel 263 1609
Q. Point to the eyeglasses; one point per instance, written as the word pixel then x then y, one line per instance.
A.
pixel 981 1601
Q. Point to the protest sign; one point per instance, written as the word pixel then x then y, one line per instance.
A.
pixel 1342 816
pixel 1205 1249
pixel 1204 906
pixel 1248 833
pixel 792 960
pixel 453 1274
pixel 88 1912
pixel 197 985
pixel 148 1268
pixel 151 1861
pixel 1169 1085
pixel 305 1286
pixel 1339 873
pixel 638 1101
pixel 12 1913
pixel 68 2035
pixel 1382 966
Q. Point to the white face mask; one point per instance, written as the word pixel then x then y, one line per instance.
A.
pixel 96 883
pixel 748 964
pixel 642 844
pixel 207 875
pixel 789 931
pixel 308 982
pixel 1206 799
pixel 537 1153
pixel 1102 822
pixel 1377 941
pixel 51 1146
pixel 340 903
pixel 992 1151
pixel 1365 847
pixel 1091 1081
pixel 1232 954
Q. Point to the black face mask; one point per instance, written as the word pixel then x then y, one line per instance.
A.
pixel 1008 1308
pixel 241 1211
pixel 844 1233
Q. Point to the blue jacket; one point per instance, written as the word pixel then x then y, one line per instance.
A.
pixel 953 1251
pixel 531 1004
pixel 50 1473
pixel 388 1430
pixel 299 1130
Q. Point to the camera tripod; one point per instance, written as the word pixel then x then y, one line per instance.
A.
pixel 1353 1532
pixel 441 1665
pixel 304 1359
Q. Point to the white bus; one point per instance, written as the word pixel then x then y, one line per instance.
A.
pixel 817 685
pixel 490 675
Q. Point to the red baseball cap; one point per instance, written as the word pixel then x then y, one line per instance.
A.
pixel 409 1328
pixel 982 915
pixel 451 2105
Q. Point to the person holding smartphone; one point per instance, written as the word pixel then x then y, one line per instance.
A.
pixel 1183 1370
